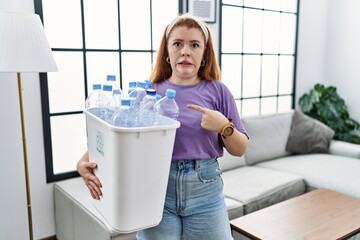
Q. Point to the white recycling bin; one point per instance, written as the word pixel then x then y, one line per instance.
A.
pixel 133 167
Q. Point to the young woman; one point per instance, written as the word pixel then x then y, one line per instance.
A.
pixel 194 205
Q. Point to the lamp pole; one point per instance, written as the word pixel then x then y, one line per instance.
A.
pixel 26 165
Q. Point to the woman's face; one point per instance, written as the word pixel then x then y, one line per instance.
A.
pixel 186 49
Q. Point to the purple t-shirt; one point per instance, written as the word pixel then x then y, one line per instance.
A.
pixel 191 140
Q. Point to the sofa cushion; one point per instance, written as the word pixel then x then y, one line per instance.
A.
pixel 337 173
pixel 258 187
pixel 268 136
pixel 308 135
pixel 228 161
pixel 235 208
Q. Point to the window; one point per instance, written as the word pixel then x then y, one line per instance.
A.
pixel 258 53
pixel 91 39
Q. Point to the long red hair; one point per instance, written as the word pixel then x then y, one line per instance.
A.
pixel 162 69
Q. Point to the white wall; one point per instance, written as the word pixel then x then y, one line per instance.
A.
pixel 311 45
pixel 328 52
pixel 343 52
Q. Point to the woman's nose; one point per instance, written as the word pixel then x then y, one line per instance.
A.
pixel 185 54
pixel 185 51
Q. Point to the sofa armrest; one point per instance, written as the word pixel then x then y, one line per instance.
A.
pixel 344 149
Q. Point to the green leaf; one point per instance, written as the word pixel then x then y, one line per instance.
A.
pixel 307 101
pixel 325 104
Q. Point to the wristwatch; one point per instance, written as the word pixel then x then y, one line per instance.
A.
pixel 228 129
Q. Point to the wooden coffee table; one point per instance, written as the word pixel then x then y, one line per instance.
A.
pixel 319 214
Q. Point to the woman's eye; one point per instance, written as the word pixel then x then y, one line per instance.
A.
pixel 177 44
pixel 195 45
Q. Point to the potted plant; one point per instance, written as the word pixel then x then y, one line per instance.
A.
pixel 325 104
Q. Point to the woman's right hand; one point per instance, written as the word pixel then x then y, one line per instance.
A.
pixel 86 171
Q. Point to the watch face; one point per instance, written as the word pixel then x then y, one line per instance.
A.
pixel 228 131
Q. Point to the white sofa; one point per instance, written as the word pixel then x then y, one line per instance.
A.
pixel 266 175
pixel 269 174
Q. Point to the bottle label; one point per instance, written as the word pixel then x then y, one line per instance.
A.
pixel 100 142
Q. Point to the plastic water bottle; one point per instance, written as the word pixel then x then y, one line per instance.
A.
pixel 132 90
pixel 149 100
pixel 90 102
pixel 167 105
pixel 106 103
pixel 124 115
pixel 117 97
pixel 147 113
pixel 111 80
pixel 140 93
pixel 148 84
pixel 158 97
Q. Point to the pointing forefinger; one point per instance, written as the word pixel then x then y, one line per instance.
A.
pixel 196 108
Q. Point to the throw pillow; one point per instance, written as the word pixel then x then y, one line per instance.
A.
pixel 308 135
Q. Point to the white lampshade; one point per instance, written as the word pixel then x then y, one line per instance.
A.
pixel 23 44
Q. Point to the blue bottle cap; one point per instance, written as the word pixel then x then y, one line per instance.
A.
pixel 151 92
pixel 170 93
pixel 132 84
pixel 126 102
pixel 116 91
pixel 111 77
pixel 96 86
pixel 141 84
pixel 107 87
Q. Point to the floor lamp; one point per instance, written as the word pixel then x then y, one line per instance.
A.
pixel 24 48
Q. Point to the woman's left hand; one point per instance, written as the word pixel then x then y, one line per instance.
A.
pixel 211 120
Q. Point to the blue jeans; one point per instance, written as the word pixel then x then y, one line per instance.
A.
pixel 194 206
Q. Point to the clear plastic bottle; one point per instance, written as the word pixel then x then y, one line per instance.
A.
pixel 117 97
pixel 106 103
pixel 167 105
pixel 147 113
pixel 132 90
pixel 140 93
pixel 148 84
pixel 149 100
pixel 111 80
pixel 158 97
pixel 124 115
pixel 91 100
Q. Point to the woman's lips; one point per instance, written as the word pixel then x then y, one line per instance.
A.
pixel 185 63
